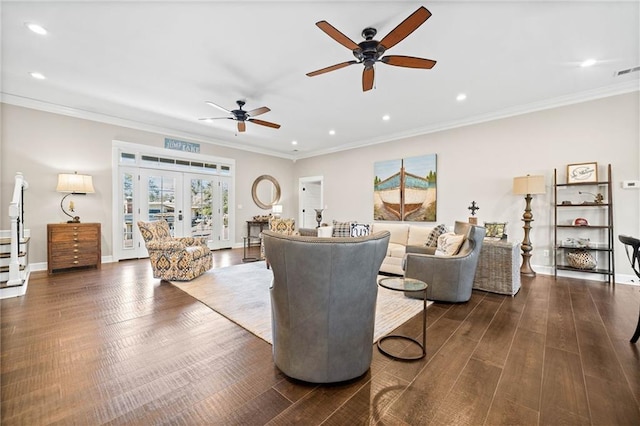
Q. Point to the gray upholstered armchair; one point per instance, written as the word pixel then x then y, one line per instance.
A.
pixel 450 278
pixel 323 302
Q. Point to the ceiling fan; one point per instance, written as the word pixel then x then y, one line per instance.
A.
pixel 370 51
pixel 242 116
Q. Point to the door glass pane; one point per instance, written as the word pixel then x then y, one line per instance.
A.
pixel 201 207
pixel 224 194
pixel 162 199
pixel 127 214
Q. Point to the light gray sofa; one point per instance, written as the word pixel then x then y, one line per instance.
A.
pixel 402 235
pixel 323 302
pixel 449 278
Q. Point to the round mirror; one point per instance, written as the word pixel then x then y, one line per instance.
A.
pixel 265 191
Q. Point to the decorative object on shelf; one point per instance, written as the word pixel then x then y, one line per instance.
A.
pixel 580 221
pixel 527 185
pixel 262 218
pixel 582 173
pixel 265 184
pixel 73 184
pixel 581 259
pixel 597 198
pixel 473 207
pixel 319 216
pixel 577 242
pixel 276 210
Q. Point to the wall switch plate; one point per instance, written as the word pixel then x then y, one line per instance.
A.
pixel 631 184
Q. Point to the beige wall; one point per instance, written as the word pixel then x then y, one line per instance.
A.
pixel 41 145
pixel 478 163
pixel 475 163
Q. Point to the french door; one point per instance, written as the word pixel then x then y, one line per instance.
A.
pixel 193 204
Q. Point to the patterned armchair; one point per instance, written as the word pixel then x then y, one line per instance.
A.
pixel 174 259
pixel 281 226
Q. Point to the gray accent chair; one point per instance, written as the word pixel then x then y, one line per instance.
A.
pixel 449 278
pixel 323 303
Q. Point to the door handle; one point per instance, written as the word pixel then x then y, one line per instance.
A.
pixel 179 214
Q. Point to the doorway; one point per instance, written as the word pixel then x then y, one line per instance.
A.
pixel 194 197
pixel 310 196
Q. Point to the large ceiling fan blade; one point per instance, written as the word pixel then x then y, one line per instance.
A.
pixel 408 61
pixel 406 27
pixel 217 106
pixel 214 118
pixel 264 123
pixel 367 79
pixel 241 126
pixel 332 32
pixel 331 68
pixel 258 111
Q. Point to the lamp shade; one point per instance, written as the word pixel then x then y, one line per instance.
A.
pixel 75 183
pixel 276 208
pixel 528 184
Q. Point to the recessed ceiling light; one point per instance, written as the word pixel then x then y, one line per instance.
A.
pixel 461 97
pixel 36 28
pixel 386 117
pixel 37 76
pixel 332 132
pixel 294 142
pixel 588 63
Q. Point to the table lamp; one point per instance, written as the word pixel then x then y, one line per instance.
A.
pixel 73 184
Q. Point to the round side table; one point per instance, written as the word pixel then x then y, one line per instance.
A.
pixel 407 285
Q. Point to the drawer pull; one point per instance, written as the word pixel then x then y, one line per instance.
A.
pixel 75 234
pixel 75 250
pixel 76 262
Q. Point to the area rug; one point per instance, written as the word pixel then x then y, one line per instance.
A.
pixel 241 293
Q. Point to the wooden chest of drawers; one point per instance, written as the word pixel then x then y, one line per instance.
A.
pixel 73 245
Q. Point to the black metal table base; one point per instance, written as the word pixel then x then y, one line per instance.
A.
pixel 398 357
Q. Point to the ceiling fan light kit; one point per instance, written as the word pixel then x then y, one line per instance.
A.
pixel 370 51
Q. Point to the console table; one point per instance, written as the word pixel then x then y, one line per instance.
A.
pixel 498 268
pixel 257 223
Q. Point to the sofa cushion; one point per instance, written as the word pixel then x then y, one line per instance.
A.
pixel 396 250
pixel 432 239
pixel 418 235
pixel 449 244
pixel 341 229
pixel 398 231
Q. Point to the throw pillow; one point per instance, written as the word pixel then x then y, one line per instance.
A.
pixel 359 229
pixel 449 243
pixel 341 229
pixel 495 229
pixel 432 239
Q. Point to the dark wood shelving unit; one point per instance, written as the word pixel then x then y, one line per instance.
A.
pixel 602 228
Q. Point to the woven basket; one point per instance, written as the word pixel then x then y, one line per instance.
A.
pixel 581 259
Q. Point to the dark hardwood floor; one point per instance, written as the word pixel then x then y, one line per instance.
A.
pixel 115 346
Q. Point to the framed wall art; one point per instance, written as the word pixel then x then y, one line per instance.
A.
pixel 405 189
pixel 582 173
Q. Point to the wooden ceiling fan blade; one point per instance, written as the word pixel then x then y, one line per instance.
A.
pixel 258 111
pixel 241 126
pixel 406 27
pixel 264 123
pixel 332 32
pixel 367 79
pixel 217 106
pixel 331 68
pixel 408 61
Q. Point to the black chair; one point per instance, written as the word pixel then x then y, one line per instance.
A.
pixel 632 247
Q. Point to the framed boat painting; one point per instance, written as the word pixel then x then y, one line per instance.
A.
pixel 405 189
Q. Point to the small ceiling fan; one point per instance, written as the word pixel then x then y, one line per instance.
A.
pixel 370 51
pixel 242 116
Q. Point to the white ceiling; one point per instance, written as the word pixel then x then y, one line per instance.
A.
pixel 151 65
